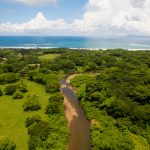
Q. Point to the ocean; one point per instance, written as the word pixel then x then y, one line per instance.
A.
pixel 127 42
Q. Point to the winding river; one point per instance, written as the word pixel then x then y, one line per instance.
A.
pixel 77 121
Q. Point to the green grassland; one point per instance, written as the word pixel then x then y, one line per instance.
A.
pixel 48 57
pixel 12 115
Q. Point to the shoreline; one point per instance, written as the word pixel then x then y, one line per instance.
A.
pixel 73 48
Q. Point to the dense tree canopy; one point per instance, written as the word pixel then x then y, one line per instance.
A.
pixel 113 88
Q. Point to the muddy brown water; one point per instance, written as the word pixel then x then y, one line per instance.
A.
pixel 79 125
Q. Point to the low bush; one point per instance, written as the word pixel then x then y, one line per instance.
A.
pixel 8 78
pixel 32 103
pixel 57 97
pixel 6 144
pixel 52 87
pixel 31 120
pixel 11 89
pixel 18 95
pixel 1 92
pixel 53 108
pixel 54 105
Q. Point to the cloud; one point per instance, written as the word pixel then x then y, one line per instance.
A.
pixel 114 16
pixel 137 3
pixel 35 2
pixel 37 25
pixel 101 17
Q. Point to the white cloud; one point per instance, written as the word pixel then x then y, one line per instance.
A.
pixel 38 25
pixel 114 16
pixel 35 2
pixel 101 17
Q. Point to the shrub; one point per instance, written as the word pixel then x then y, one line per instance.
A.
pixel 18 95
pixel 57 97
pixel 33 142
pixel 6 144
pixel 54 104
pixel 53 108
pixel 32 104
pixel 10 89
pixel 39 78
pixel 39 129
pixel 31 120
pixel 52 87
pixel 9 77
pixel 1 92
pixel 22 87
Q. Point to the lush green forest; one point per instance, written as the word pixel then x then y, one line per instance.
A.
pixel 113 87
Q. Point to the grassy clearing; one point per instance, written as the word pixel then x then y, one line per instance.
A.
pixel 12 118
pixel 48 57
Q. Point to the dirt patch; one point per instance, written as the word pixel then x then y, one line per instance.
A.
pixel 71 77
pixel 70 111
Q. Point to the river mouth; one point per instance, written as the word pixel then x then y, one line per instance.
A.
pixel 77 121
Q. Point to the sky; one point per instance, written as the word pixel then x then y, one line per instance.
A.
pixel 75 17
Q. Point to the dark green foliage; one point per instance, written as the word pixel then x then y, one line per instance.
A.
pixel 8 78
pixel 1 92
pixel 18 95
pixel 104 133
pixel 51 80
pixel 55 102
pixel 120 109
pixel 52 87
pixel 123 122
pixel 53 108
pixel 33 142
pixel 91 67
pixel 22 87
pixel 32 59
pixel 39 78
pixel 38 131
pixel 6 144
pixel 117 98
pixel 141 94
pixel 32 103
pixel 56 98
pixel 32 120
pixel 142 115
pixel 116 142
pixel 66 65
pixel 11 89
pixel 31 75
pixel 121 90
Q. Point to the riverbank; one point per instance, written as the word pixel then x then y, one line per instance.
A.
pixel 77 121
pixel 70 111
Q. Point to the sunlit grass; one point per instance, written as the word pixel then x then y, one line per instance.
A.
pixel 48 57
pixel 140 142
pixel 12 116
